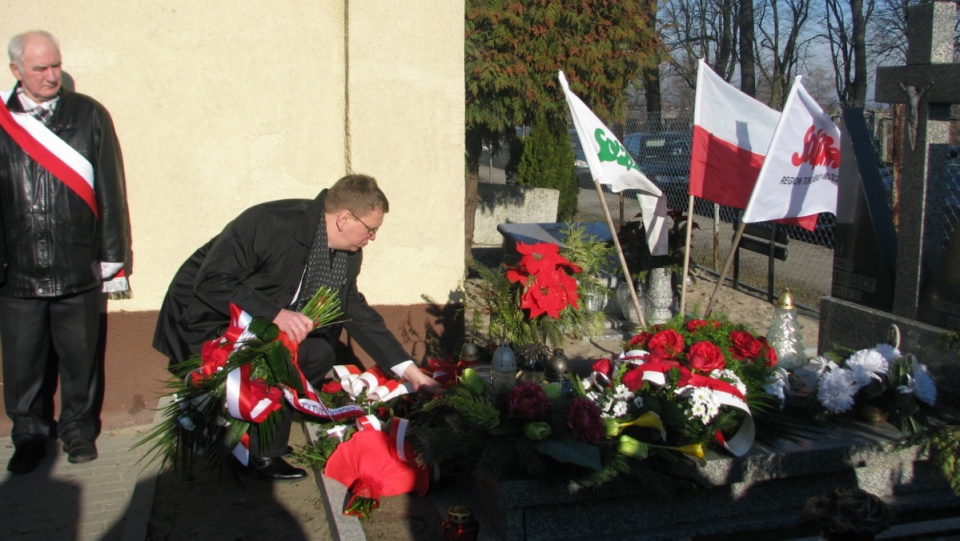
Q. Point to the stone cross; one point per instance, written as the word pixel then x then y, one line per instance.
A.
pixel 928 85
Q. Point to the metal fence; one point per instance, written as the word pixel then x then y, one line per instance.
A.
pixel 661 146
pixel 664 154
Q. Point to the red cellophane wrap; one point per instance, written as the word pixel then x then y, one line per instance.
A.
pixel 367 467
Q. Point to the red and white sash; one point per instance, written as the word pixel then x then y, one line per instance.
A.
pixel 50 151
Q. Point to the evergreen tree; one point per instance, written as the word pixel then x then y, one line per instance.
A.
pixel 547 162
pixel 514 48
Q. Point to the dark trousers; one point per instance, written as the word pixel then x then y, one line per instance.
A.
pixel 316 357
pixel 34 330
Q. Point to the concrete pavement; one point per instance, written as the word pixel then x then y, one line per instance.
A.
pixel 108 499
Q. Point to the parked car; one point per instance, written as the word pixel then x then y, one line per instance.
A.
pixel 662 156
pixel 665 158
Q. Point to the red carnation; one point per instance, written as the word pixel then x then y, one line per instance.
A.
pixel 695 324
pixel 744 345
pixel 705 357
pixel 639 341
pixel 602 366
pixel 633 379
pixel 584 422
pixel 768 351
pixel 331 387
pixel 527 401
pixel 668 343
pixel 214 354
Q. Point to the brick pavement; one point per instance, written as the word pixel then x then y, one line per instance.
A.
pixel 108 499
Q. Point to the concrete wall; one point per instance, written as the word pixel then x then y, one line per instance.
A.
pixel 221 105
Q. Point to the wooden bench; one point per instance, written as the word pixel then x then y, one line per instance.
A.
pixel 763 238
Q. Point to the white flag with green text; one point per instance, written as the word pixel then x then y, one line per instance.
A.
pixel 611 164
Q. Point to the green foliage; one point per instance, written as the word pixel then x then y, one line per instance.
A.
pixel 547 162
pixel 594 257
pixel 514 49
pixel 945 450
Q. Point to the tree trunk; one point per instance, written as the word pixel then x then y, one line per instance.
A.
pixel 748 65
pixel 474 147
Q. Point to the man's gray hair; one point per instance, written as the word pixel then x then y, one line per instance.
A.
pixel 15 48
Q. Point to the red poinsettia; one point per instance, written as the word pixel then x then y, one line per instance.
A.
pixel 544 274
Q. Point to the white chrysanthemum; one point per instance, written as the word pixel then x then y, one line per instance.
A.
pixel 619 409
pixel 621 392
pixel 836 389
pixel 922 383
pixel 889 352
pixel 730 377
pixel 698 410
pixel 867 364
pixel 594 396
pixel 700 394
pixel 703 403
pixel 820 364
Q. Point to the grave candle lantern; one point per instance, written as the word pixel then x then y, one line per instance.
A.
pixel 784 334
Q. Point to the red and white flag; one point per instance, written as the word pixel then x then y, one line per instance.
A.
pixel 611 164
pixel 731 134
pixel 800 174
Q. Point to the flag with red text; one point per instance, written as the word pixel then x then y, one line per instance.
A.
pixel 800 173
pixel 731 134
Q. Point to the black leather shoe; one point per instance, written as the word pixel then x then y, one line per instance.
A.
pixel 274 469
pixel 80 451
pixel 26 457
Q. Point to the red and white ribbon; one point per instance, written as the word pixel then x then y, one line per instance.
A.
pixel 725 393
pixel 51 152
pixel 378 387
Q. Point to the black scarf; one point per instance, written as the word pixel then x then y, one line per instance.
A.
pixel 325 267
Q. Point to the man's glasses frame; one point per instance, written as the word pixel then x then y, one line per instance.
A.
pixel 370 230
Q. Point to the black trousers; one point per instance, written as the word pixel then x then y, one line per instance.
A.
pixel 316 358
pixel 34 330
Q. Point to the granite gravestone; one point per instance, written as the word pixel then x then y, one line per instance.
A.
pixel 925 288
pixel 928 85
pixel 864 259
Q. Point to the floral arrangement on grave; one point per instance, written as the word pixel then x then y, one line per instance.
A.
pixel 237 381
pixel 705 379
pixel 532 304
pixel 633 240
pixel 879 382
pixel 676 391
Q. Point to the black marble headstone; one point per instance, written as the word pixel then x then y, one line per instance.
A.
pixel 864 260
pixel 940 302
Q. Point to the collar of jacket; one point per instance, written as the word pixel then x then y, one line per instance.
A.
pixel 307 227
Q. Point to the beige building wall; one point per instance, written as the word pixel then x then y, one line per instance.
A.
pixel 220 105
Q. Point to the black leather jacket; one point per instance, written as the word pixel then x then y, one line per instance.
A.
pixel 54 243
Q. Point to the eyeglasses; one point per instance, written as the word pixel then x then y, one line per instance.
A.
pixel 370 230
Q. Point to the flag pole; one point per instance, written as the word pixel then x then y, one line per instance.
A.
pixel 686 256
pixel 623 260
pixel 726 265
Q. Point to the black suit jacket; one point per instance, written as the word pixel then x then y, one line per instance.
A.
pixel 257 262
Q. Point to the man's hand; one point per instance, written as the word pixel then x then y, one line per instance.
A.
pixel 296 325
pixel 421 382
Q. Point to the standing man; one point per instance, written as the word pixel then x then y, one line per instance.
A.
pixel 270 261
pixel 67 231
